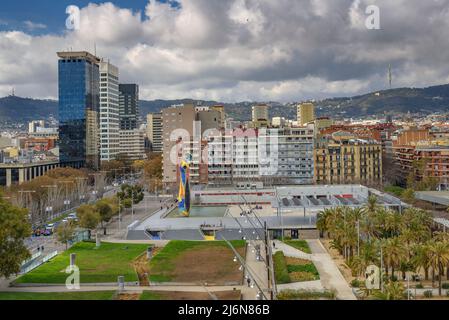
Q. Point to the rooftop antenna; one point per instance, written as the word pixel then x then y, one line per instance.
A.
pixel 13 92
pixel 390 77
pixel 95 48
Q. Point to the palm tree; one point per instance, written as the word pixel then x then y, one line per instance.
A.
pixel 439 258
pixel 370 210
pixel 444 237
pixel 392 291
pixel 421 258
pixel 394 253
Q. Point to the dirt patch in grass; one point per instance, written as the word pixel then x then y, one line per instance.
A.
pixel 142 269
pixel 175 295
pixel 128 296
pixel 197 262
pixel 302 276
pixel 212 265
pixel 296 262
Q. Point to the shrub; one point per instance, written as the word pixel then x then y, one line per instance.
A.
pixel 419 286
pixel 306 295
pixel 280 268
pixel 428 293
pixel 394 278
pixel 356 283
pixel 445 285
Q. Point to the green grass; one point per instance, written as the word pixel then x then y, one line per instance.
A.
pixel 301 245
pixel 99 295
pixel 97 265
pixel 397 191
pixel 149 295
pixel 309 268
pixel 280 268
pixel 305 295
pixel 162 265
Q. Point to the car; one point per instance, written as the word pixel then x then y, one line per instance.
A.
pixel 72 216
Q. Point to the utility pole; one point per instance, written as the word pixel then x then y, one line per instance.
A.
pixel 381 269
pixel 358 238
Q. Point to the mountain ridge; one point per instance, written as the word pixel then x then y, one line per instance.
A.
pixel 392 101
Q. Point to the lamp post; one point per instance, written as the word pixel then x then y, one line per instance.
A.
pixel 248 269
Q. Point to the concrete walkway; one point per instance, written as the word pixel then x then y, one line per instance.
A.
pixel 258 270
pixel 291 252
pixel 331 277
pixel 306 285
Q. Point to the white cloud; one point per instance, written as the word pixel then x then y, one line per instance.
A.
pixel 34 26
pixel 243 49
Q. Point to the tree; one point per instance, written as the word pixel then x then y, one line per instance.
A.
pixel 392 291
pixel 65 233
pixel 106 209
pixel 14 229
pixel 439 259
pixel 394 253
pixel 152 169
pixel 409 195
pixel 421 258
pixel 88 216
pixel 133 193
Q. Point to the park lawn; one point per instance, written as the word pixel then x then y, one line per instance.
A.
pixel 288 270
pixel 97 265
pixel 197 261
pixel 395 190
pixel 97 295
pixel 301 245
pixel 301 270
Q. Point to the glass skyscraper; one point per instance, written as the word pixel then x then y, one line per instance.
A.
pixel 79 104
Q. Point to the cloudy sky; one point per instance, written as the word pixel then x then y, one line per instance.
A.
pixel 231 50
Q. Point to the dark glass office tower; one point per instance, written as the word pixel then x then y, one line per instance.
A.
pixel 129 106
pixel 79 101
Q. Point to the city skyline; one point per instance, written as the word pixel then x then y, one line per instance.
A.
pixel 232 51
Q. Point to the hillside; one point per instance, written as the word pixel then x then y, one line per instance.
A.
pixel 395 101
pixel 402 100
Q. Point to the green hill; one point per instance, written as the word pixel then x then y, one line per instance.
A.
pixel 394 101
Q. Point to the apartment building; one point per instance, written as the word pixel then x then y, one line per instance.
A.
pixel 420 145
pixel 273 156
pixel 341 158
pixel 260 116
pixel 305 113
pixel 177 131
pixel 132 144
pixel 154 131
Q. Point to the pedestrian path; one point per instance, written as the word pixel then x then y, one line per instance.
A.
pixel 330 275
pixel 306 285
pixel 291 252
pixel 256 269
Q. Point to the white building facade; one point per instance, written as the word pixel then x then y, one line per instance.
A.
pixel 109 112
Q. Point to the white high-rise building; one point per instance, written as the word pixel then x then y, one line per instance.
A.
pixel 109 112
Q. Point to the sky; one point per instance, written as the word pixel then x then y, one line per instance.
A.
pixel 231 50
